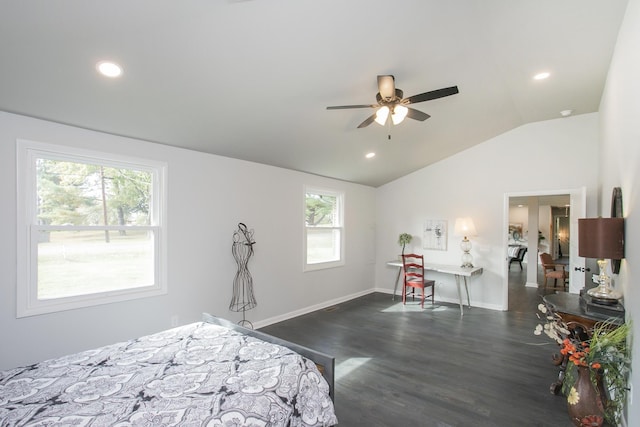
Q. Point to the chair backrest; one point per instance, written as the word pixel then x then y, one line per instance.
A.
pixel 413 267
pixel 521 253
pixel 512 252
pixel 546 260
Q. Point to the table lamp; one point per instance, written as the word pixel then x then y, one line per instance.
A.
pixel 464 227
pixel 602 239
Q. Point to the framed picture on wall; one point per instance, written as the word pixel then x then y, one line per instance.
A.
pixel 435 234
pixel 515 231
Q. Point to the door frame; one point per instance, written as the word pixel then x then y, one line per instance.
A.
pixel 578 209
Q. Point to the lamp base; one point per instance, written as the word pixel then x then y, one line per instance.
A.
pixel 590 306
pixel 603 293
pixel 467 258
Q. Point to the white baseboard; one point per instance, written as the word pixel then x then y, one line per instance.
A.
pixel 306 310
pixel 531 285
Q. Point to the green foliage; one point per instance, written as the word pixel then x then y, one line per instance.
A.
pixel 608 347
pixel 86 194
pixel 404 239
pixel 320 209
pixel 606 353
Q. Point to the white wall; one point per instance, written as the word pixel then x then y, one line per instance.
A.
pixel 208 196
pixel 620 167
pixel 538 157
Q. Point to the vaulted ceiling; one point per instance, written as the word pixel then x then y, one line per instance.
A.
pixel 252 79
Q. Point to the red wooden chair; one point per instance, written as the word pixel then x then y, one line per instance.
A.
pixel 413 277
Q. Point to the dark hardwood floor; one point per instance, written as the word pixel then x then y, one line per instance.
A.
pixel 402 366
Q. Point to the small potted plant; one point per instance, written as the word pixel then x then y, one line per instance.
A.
pixel 404 239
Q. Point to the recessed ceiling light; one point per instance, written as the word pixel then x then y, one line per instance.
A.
pixel 541 76
pixel 109 69
pixel 370 155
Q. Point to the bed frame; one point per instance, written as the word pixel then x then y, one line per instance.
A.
pixel 324 362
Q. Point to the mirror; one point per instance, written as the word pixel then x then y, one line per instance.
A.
pixel 616 212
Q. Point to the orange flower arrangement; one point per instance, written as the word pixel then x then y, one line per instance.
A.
pixel 604 350
pixel 577 352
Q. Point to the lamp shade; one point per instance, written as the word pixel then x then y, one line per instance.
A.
pixel 399 113
pixel 601 238
pixel 464 227
pixel 381 115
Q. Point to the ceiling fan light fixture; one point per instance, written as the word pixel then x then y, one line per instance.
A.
pixel 381 115
pixel 396 105
pixel 399 113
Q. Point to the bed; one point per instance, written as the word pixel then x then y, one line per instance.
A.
pixel 209 373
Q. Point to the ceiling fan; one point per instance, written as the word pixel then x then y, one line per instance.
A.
pixel 391 103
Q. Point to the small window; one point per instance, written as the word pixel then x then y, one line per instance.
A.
pixel 90 228
pixel 324 229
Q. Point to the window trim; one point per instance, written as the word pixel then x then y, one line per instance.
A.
pixel 340 195
pixel 27 151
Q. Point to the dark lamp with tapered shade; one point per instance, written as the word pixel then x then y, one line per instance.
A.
pixel 602 239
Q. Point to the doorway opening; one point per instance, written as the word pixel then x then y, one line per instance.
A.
pixel 540 222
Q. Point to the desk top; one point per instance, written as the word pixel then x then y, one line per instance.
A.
pixel 444 268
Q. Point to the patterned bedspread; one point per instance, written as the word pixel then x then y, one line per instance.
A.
pixel 196 375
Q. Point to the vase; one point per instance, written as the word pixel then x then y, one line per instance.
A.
pixel 585 401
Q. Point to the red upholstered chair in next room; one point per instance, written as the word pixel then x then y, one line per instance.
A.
pixel 413 277
pixel 552 272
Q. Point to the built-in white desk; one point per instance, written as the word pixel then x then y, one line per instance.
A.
pixel 455 270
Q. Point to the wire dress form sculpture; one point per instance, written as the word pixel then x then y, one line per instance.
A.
pixel 243 298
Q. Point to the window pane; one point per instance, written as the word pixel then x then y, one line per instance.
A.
pixel 72 263
pixel 88 194
pixel 323 245
pixel 322 210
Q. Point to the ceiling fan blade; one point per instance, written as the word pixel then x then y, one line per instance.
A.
pixel 343 107
pixel 434 94
pixel 387 87
pixel 417 115
pixel 367 122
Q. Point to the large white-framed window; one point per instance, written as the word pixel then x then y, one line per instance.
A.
pixel 91 228
pixel 323 228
